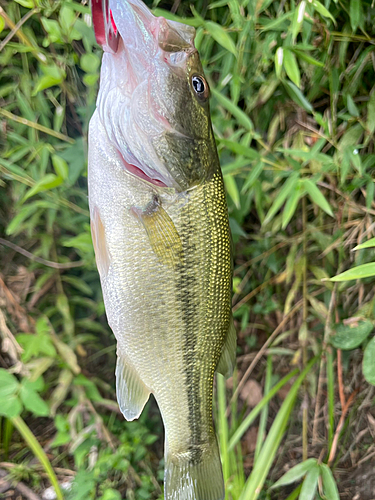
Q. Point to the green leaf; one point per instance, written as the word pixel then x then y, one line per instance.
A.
pixel 368 364
pixel 240 149
pixel 60 166
pixel 352 108
pixel 310 484
pixel 371 114
pixel 297 96
pixel 29 4
pixel 8 385
pixel 240 115
pixel 316 196
pixel 295 473
pixel 291 67
pixel 287 188
pixel 90 63
pixel 291 205
pixel 279 58
pixel 323 11
pixel 222 37
pixel 356 14
pixel 11 406
pixel 268 452
pixel 350 336
pixel 33 402
pixel 253 176
pixel 363 271
pixel 297 20
pixel 367 244
pixel 329 484
pixel 232 189
pixel 35 344
pixel 49 181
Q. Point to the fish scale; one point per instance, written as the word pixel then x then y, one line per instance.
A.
pixel 162 244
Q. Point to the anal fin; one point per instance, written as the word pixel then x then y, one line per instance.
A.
pixel 132 393
pixel 227 359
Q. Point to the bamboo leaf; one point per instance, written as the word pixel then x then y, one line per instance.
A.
pixel 240 115
pixel 297 96
pixel 268 452
pixel 295 473
pixel 323 11
pixel 356 14
pixel 291 67
pixel 316 196
pixel 287 188
pixel 232 189
pixel 310 484
pixel 291 205
pixel 222 37
pixel 329 484
pixel 368 364
pixel 298 17
pixel 367 244
pixel 359 272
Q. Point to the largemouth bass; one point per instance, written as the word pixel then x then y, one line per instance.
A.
pixel 162 241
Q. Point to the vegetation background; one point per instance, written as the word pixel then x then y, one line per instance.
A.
pixel 293 109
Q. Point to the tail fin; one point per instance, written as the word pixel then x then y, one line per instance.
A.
pixel 199 478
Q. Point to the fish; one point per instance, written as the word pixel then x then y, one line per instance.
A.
pixel 161 235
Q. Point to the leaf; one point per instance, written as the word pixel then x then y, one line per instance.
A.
pixel 240 149
pixel 240 115
pixel 356 14
pixel 60 166
pixel 297 20
pixel 323 11
pixel 253 176
pixel 352 108
pixel 367 244
pixel 350 336
pixel 29 4
pixel 371 114
pixel 268 452
pixel 11 406
pixel 49 181
pixel 8 385
pixel 222 37
pixel 291 67
pixel 279 58
pixel 33 402
pixel 232 189
pixel 329 484
pixel 310 484
pixel 295 473
pixel 316 196
pixel 297 96
pixel 90 63
pixel 291 205
pixel 368 364
pixel 359 272
pixel 34 345
pixel 287 188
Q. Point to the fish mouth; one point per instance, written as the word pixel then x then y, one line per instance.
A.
pixel 140 174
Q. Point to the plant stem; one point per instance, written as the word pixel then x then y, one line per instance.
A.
pixel 38 451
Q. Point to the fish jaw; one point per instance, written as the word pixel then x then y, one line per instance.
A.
pixel 147 102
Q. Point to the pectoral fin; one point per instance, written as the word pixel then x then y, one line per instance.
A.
pixel 132 394
pixel 227 359
pixel 162 233
pixel 99 242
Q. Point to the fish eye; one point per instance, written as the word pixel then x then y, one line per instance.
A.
pixel 200 87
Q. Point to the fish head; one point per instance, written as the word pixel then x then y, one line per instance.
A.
pixel 154 99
